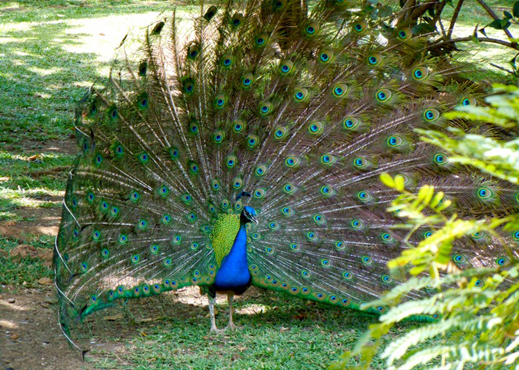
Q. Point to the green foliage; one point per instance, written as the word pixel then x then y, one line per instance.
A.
pixel 474 313
pixel 508 18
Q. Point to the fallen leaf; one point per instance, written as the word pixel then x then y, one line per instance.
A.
pixel 235 357
pixel 34 157
pixel 119 316
pixel 45 281
pixel 50 300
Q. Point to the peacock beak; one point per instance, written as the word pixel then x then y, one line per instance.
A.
pixel 254 219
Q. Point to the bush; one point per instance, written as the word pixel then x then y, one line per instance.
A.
pixel 473 313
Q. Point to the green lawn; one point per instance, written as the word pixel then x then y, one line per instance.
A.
pixel 50 52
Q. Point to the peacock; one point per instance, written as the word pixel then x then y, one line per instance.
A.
pixel 247 149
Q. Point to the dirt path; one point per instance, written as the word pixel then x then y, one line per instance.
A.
pixel 40 221
pixel 30 337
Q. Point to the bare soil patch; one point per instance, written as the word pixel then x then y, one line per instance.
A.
pixel 36 221
pixel 30 337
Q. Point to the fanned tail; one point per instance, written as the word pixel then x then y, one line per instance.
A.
pixel 304 111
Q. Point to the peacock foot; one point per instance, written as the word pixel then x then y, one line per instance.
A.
pixel 214 329
pixel 232 327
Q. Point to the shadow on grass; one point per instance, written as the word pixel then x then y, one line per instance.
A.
pixel 288 333
pixel 38 91
pixel 52 10
pixel 41 82
pixel 46 68
pixel 31 183
pixel 43 72
pixel 39 87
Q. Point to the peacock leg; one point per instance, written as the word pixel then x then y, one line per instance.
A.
pixel 211 311
pixel 230 299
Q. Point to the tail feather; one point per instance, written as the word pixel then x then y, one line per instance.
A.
pixel 304 111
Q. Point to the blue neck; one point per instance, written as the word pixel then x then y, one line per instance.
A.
pixel 238 253
pixel 234 272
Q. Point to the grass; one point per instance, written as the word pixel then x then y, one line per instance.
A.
pixel 22 187
pixel 483 53
pixel 50 51
pixel 27 271
pixel 48 61
pixel 288 334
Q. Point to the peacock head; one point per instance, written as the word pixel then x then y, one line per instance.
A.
pixel 248 215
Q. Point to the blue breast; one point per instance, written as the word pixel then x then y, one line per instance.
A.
pixel 234 272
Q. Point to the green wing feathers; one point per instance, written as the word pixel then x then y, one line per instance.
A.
pixel 303 110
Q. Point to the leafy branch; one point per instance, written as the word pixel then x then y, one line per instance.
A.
pixel 472 313
pixel 475 310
